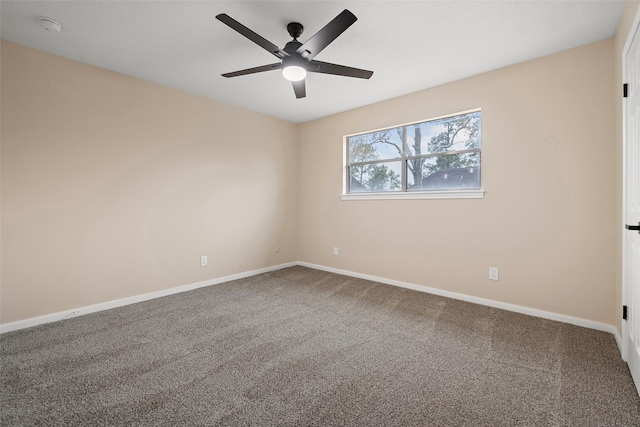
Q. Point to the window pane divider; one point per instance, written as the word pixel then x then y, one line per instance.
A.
pixel 374 162
pixel 444 153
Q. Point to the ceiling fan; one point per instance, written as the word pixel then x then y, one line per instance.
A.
pixel 296 59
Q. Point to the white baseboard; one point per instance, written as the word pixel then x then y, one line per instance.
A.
pixel 476 300
pixel 68 314
pixel 618 338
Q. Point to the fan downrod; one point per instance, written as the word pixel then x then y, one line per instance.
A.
pixel 295 29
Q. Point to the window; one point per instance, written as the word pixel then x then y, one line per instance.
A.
pixel 434 158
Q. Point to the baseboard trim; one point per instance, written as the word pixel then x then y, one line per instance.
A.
pixel 618 338
pixel 68 314
pixel 476 300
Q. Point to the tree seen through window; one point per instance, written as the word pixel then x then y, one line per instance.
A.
pixel 436 154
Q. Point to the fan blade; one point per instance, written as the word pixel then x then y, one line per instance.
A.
pixel 326 35
pixel 338 70
pixel 254 70
pixel 299 89
pixel 251 35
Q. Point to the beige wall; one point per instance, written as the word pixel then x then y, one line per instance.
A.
pixel 624 29
pixel 548 219
pixel 114 187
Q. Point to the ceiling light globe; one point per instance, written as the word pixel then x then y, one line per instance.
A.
pixel 294 73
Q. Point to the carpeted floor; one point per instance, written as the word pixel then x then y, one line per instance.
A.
pixel 301 347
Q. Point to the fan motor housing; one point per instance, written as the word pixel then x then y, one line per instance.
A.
pixel 296 60
pixel 292 47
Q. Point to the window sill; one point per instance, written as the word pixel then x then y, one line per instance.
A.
pixel 416 195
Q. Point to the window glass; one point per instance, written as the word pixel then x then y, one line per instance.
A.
pixel 442 135
pixel 380 145
pixel 439 154
pixel 454 171
pixel 374 177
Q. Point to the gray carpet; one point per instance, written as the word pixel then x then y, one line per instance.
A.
pixel 301 347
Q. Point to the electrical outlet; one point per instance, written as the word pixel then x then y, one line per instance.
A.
pixel 493 273
pixel 335 251
pixel 203 261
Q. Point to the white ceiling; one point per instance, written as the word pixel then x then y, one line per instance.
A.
pixel 410 45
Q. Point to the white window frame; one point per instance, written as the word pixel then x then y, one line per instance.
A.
pixel 408 195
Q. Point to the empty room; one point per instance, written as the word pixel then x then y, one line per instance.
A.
pixel 320 213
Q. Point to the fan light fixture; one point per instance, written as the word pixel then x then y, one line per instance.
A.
pixel 294 73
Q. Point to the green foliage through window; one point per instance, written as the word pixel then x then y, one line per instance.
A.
pixel 440 154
